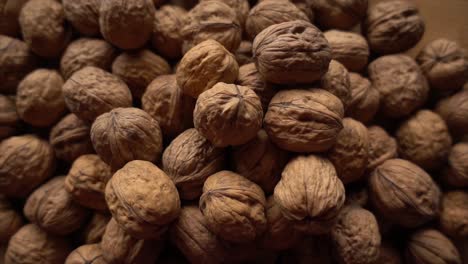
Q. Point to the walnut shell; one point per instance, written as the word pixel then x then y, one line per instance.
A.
pixel 310 194
pixel 364 99
pixel 189 160
pixel 228 114
pixel 44 28
pixel 32 245
pixel 454 214
pixel 94 229
pixel 91 92
pixel 454 110
pixel 127 25
pixel 9 119
pixel 249 76
pixel 348 48
pixel 83 15
pixel 86 254
pixel 25 162
pixel 304 120
pixel 299 45
pixel 138 68
pixel 241 7
pixel 341 14
pixel 431 247
pixel 9 13
pixel 234 207
pixel 244 53
pixel 402 86
pixel 205 65
pixel 167 36
pixel 393 26
pixel 126 134
pixel 142 199
pixel 457 172
pixel 382 147
pixel 39 99
pixel 404 193
pixel 336 81
pixel 424 139
pixel 86 52
pixel 10 220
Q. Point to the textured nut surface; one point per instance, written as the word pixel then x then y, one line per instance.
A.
pixel 10 220
pixel 249 76
pixel 244 53
pixel 8 117
pixel 233 206
pixel 91 92
pixel 83 15
pixel 310 194
pixel 291 52
pixel 454 110
pixel 454 214
pixel 9 12
pixel 189 160
pixel 304 120
pixel 25 162
pixel 341 14
pixel 457 172
pixel 336 81
pixel 431 246
pixel 167 36
pixel 403 193
pixel 241 7
pixel 94 229
pixel 401 84
pixel 382 147
pixel 228 114
pixel 205 65
pixel 85 254
pixel 349 48
pixel 364 99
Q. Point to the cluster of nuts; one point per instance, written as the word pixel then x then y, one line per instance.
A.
pixel 230 131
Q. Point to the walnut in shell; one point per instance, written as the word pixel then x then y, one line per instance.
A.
pixel 250 77
pixel 454 214
pixel 382 147
pixel 349 48
pixel 341 14
pixel 10 220
pixel 167 36
pixel 336 81
pixel 456 174
pixel 241 7
pixel 86 254
pixel 430 246
pixel 9 13
pixel 454 110
pixel 94 229
pixel 244 53
pixel 83 15
pixel 364 99
pixel 9 119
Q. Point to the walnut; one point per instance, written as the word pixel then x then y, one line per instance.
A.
pixel 83 15
pixel 228 114
pixel 264 164
pixel 457 172
pixel 43 27
pixel 241 7
pixel 431 246
pixel 267 13
pixel 142 199
pixel 9 13
pixel 250 77
pixel 189 160
pixel 404 193
pixel 454 110
pixel 382 147
pixel 336 81
pixel 402 86
pixel 233 207
pixel 16 61
pixel 348 48
pixel 86 52
pixel 25 162
pixel 39 99
pixel 389 255
pixel 424 139
pixel 10 220
pixel 306 7
pixel 70 138
pixel 94 229
pixel 127 25
pixel 310 194
pixel 205 65
pixel 393 26
pixel 86 254
pixel 365 100
pixel 304 120
pixel 299 45
pixel 91 92
pixel 356 236
pixel 9 119
pixel 167 36
pixel 454 214
pixel 341 14
pixel 244 53
pixel 138 69
pixel 126 134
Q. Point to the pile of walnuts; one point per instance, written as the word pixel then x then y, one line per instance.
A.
pixel 230 131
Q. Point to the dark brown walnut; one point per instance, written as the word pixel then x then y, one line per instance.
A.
pixel 365 100
pixel 260 161
pixel 389 254
pixel 138 68
pixel 70 138
pixel 142 199
pixel 350 153
pixel 205 65
pixel 94 229
pixel 424 139
pixel 16 61
pixel 9 119
pixel 126 134
pixel 119 247
pixel 267 13
pixel 349 48
pixel 454 214
pixel 431 247
pixel 214 20
pixel 401 84
pixel 306 7
pixel 228 114
pixel 456 174
pixel 241 7
pixel 403 193
pixel 244 53
pixel 304 120
pixel 86 181
pixel 311 250
pixel 336 81
pixel 189 160
pixel 310 194
pixel 91 92
pixel 167 36
pixel 39 99
pixel 32 245
pixel 10 220
pixel 341 14
pixel 454 110
pixel 250 77
pixel 25 162
pixel 291 52
pixel 44 27
pixel 234 207
pixel 86 254
pixel 382 147
pixel 393 26
pixel 356 236
pixel 9 13
pixel 86 52
pixel 83 15
pixel 127 25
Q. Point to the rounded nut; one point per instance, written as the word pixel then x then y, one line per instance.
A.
pixel 9 119
pixel 83 15
pixel 94 230
pixel 244 53
pixel 167 34
pixel 10 220
pixel 454 110
pixel 431 246
pixel 9 13
pixel 348 48
pixel 454 214
pixel 340 14
pixel 457 172
pixel 336 81
pixel 364 99
pixel 382 147
pixel 86 254
pixel 241 7
pixel 249 76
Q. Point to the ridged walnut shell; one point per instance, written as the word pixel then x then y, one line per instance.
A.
pixel 10 220
pixel 454 214
pixel 167 26
pixel 340 14
pixel 310 194
pixel 9 12
pixel 83 15
pixel 454 110
pixel 456 174
pixel 336 81
pixel 85 254
pixel 94 229
pixel 429 246
pixel 349 48
pixel 382 147
pixel 365 100
pixel 9 119
pixel 249 76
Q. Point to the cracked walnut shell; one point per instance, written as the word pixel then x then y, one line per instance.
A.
pixel 167 26
pixel 348 48
pixel 454 214
pixel 365 100
pixel 430 246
